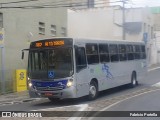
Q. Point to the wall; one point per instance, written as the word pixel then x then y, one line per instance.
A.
pixel 93 23
pixel 107 23
pixel 21 27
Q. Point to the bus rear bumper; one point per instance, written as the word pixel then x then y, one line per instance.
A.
pixel 62 94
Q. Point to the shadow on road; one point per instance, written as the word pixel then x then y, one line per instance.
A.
pixel 82 100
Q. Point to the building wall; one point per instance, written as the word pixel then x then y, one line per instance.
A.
pixel 93 23
pixel 107 23
pixel 21 27
pixel 144 20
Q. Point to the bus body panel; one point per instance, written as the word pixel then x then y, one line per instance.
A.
pixel 108 74
pixel 82 83
pixel 49 87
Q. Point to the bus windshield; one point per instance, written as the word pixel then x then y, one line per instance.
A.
pixel 50 63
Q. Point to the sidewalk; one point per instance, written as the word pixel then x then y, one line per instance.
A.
pixel 24 96
pixel 15 97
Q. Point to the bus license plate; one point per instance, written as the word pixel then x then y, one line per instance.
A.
pixel 48 94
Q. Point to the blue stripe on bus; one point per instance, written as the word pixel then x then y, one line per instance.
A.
pixel 49 83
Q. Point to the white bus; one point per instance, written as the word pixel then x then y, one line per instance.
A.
pixel 62 68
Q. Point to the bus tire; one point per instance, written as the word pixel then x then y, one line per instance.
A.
pixel 93 90
pixel 134 81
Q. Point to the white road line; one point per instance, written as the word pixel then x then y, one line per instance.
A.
pixel 82 108
pixel 153 69
pixel 156 85
pixel 104 109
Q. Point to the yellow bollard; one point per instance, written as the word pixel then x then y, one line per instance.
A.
pixel 21 77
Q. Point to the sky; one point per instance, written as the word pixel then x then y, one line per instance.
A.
pixel 141 3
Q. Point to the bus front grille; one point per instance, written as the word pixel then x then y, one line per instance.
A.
pixel 49 88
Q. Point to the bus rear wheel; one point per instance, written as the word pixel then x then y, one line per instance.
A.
pixel 93 90
pixel 134 81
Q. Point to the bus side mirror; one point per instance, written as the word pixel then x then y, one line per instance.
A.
pixel 22 55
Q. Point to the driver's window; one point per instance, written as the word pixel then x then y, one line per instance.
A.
pixel 80 58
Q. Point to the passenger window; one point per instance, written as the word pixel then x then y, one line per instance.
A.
pixel 113 50
pixel 122 53
pixel 143 53
pixel 80 58
pixel 130 54
pixel 136 49
pixel 92 53
pixel 104 53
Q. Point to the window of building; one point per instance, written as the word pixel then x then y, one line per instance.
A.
pixel 113 50
pixel 104 53
pixel 122 52
pixel 92 53
pixel 42 28
pixel 53 30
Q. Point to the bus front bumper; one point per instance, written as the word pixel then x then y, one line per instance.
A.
pixel 62 94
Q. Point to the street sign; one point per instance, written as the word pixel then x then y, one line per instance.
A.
pixel 145 37
pixel 1 37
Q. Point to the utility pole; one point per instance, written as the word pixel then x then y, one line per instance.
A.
pixel 2 74
pixel 123 19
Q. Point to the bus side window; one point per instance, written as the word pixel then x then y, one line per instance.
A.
pixel 80 58
pixel 104 53
pixel 92 53
pixel 130 54
pixel 136 49
pixel 143 53
pixel 122 52
pixel 113 50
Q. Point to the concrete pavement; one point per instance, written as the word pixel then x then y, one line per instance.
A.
pixel 17 97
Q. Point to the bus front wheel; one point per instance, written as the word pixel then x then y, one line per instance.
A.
pixel 93 90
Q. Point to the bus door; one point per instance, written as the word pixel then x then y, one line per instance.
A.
pixel 81 72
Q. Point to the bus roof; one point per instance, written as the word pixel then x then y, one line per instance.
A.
pixel 95 40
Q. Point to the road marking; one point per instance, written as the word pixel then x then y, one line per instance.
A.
pixel 153 69
pixel 82 108
pixel 104 109
pixel 156 85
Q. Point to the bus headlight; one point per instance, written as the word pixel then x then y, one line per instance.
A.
pixel 70 83
pixel 29 83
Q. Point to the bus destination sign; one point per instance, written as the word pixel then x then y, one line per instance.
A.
pixel 49 43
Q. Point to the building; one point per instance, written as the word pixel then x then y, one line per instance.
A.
pixel 107 23
pixel 20 27
pixel 156 42
pixel 23 22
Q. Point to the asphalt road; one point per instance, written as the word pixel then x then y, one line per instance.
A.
pixel 138 104
pixel 117 99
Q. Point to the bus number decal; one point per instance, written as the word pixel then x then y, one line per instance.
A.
pixel 106 70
